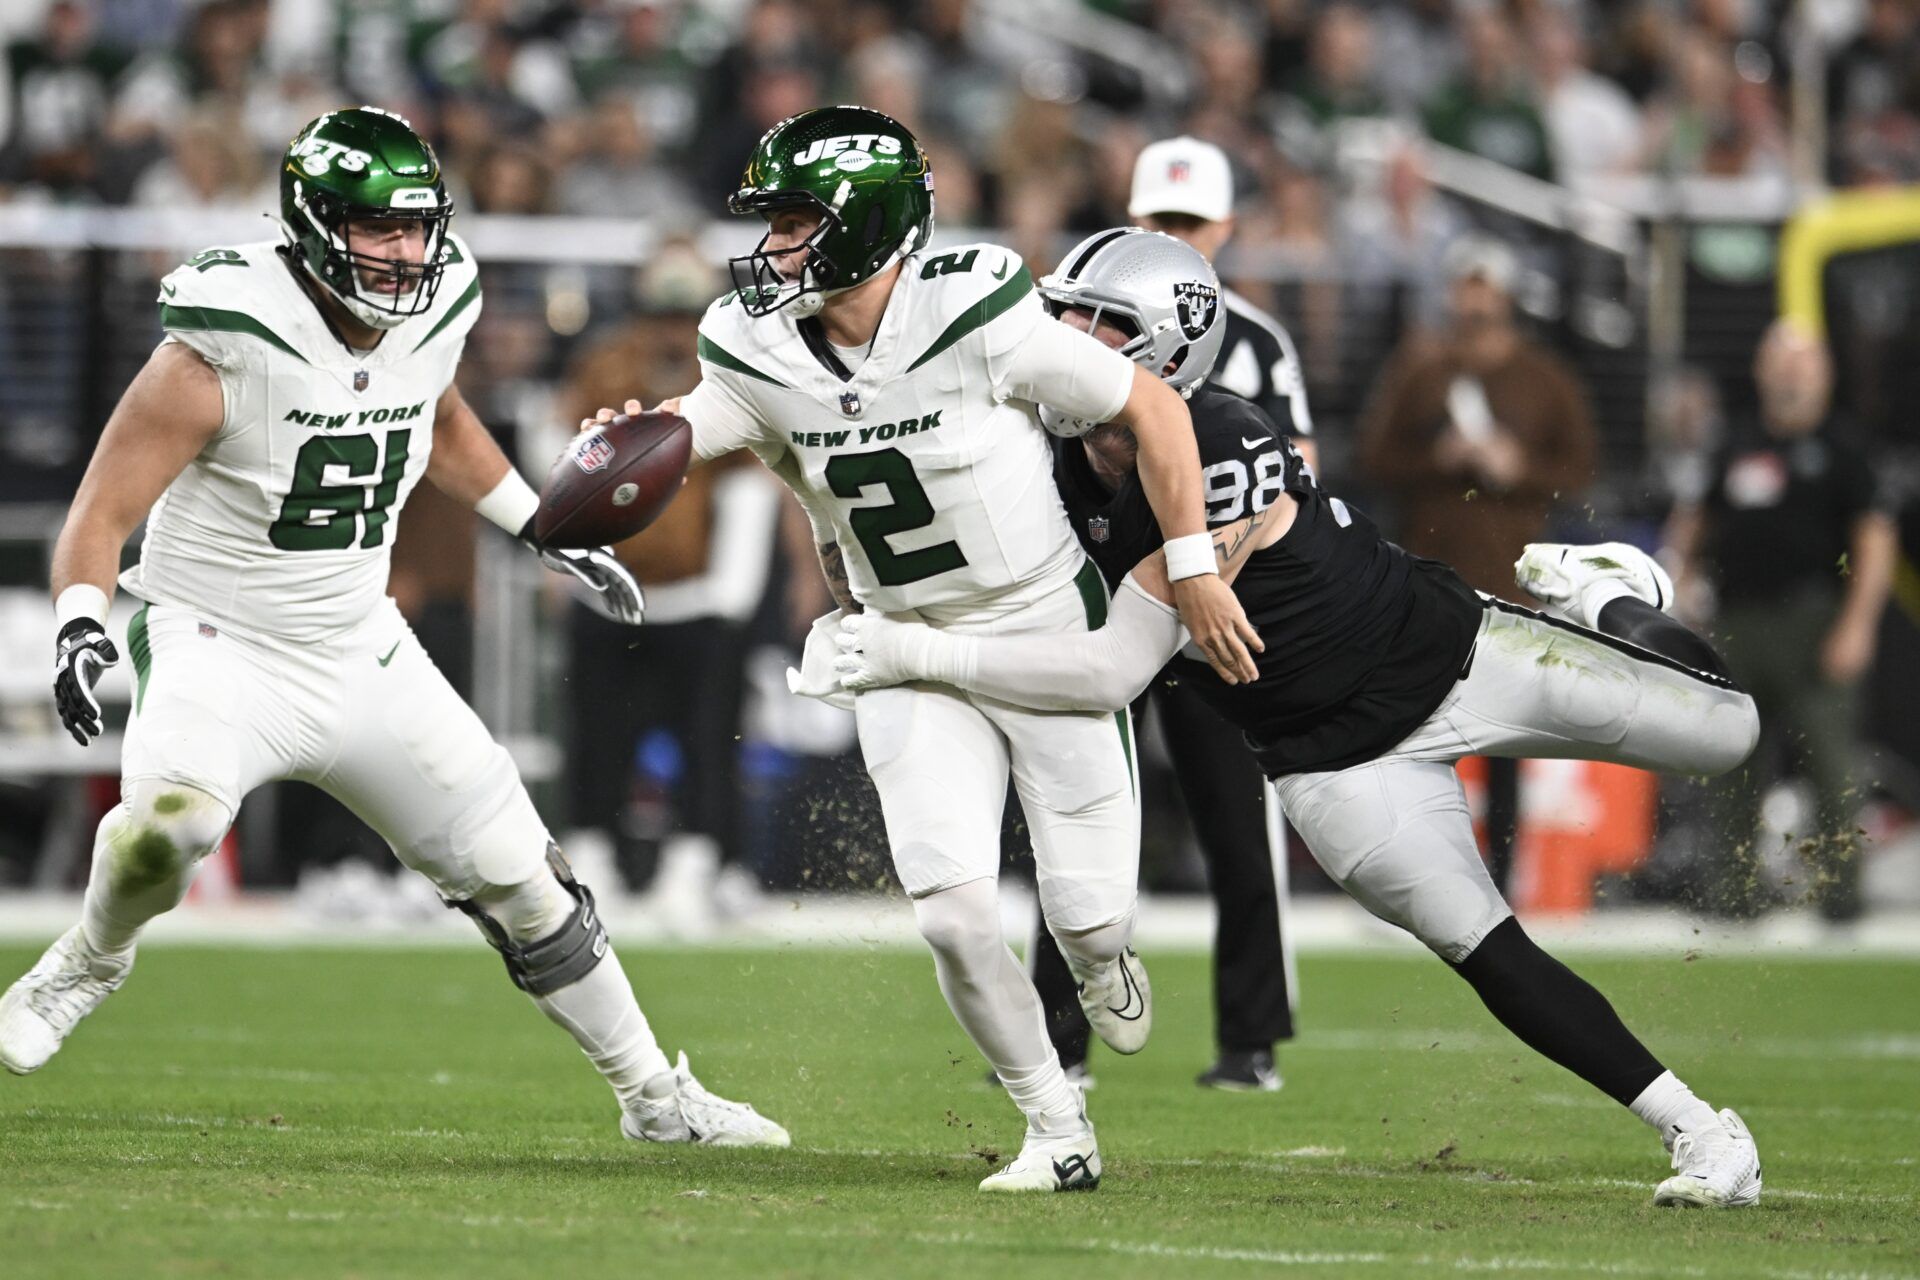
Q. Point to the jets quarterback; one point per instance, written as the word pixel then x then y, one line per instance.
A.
pixel 303 389
pixel 896 390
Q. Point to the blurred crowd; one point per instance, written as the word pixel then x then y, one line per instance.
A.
pixel 1456 391
pixel 643 107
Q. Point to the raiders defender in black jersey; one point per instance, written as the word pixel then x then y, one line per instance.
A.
pixel 1376 672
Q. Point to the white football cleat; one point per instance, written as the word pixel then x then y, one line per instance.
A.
pixel 691 1114
pixel 1717 1168
pixel 41 1010
pixel 1066 1161
pixel 1120 1007
pixel 1575 582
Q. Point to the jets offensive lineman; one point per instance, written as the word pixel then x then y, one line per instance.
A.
pixel 270 442
pixel 894 390
pixel 1382 670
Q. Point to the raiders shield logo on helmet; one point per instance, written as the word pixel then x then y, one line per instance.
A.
pixel 1195 303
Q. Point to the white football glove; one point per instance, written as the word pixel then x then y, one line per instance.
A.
pixel 876 652
pixel 81 653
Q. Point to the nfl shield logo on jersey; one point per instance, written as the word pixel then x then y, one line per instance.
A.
pixel 1194 303
pixel 850 404
pixel 359 379
pixel 593 454
pixel 1099 528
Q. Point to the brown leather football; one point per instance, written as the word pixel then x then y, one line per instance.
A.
pixel 613 481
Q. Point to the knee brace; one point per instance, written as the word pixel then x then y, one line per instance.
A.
pixel 558 960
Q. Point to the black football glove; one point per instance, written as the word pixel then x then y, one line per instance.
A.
pixel 611 590
pixel 81 653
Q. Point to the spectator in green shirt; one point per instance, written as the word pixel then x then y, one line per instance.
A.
pixel 1490 111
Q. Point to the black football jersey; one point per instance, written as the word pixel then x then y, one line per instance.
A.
pixel 1363 640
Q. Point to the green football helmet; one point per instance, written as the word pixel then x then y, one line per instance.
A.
pixel 868 178
pixel 358 164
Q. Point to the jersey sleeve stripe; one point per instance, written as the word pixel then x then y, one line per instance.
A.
pixel 460 304
pixel 980 313
pixel 212 319
pixel 714 353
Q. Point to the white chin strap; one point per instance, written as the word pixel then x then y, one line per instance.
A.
pixel 371 316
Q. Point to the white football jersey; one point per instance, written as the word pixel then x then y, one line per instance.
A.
pixel 284 523
pixel 935 479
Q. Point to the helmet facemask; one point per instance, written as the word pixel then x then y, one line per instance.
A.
pixel 341 269
pixel 764 287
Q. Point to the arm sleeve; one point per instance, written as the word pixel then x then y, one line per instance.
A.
pixel 721 418
pixel 1102 670
pixel 1059 366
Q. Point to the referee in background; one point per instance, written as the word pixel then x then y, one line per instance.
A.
pixel 1184 187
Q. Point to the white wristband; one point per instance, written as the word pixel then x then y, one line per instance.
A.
pixel 1191 556
pixel 81 600
pixel 510 504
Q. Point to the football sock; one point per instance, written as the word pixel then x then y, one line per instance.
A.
pixel 1632 619
pixel 1670 1108
pixel 994 1002
pixel 1558 1013
pixel 601 1014
pixel 1067 1024
pixel 599 1011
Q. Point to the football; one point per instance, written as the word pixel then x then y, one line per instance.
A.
pixel 613 481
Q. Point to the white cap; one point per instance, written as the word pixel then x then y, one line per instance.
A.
pixel 1182 175
pixel 1476 254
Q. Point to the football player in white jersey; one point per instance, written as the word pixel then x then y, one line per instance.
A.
pixel 896 390
pixel 302 391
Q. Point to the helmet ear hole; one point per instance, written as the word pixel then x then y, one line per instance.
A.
pixel 876 218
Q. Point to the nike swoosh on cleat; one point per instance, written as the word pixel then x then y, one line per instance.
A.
pixel 1133 1000
pixel 389 658
pixel 1071 1169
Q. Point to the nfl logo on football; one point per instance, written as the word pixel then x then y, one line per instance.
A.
pixel 593 454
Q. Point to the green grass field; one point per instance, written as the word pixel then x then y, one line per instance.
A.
pixel 406 1113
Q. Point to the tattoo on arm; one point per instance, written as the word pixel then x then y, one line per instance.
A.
pixel 834 565
pixel 1227 542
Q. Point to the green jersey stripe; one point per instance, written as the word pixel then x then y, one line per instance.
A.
pixel 214 320
pixel 979 314
pixel 1093 597
pixel 461 303
pixel 142 649
pixel 714 353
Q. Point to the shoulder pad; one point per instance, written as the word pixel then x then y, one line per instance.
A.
pixel 221 296
pixel 964 289
pixel 734 341
pixel 220 277
pixel 1228 427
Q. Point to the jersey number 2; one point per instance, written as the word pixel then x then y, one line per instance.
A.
pixel 358 459
pixel 849 473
